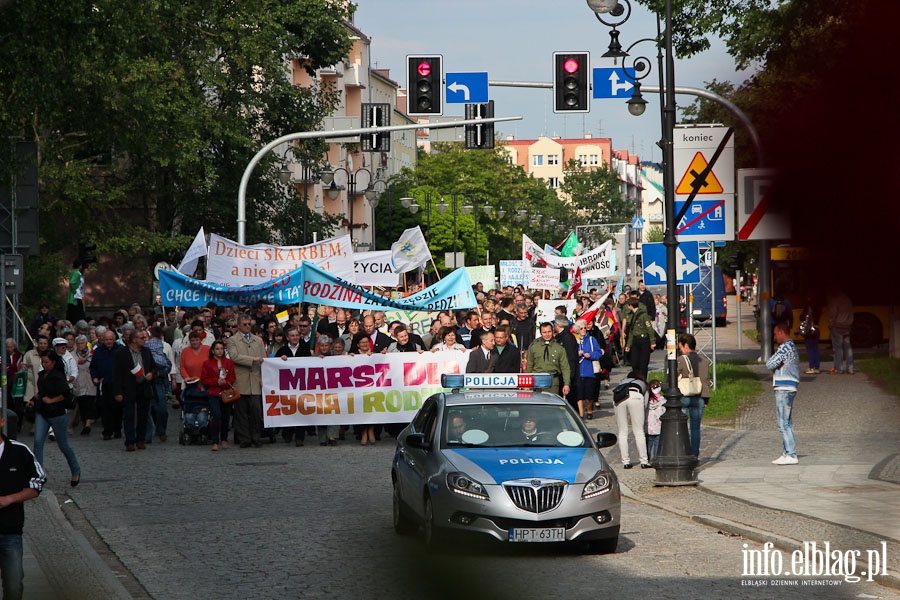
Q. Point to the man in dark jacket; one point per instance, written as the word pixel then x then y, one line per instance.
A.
pixel 509 359
pixel 21 479
pixel 102 375
pixel 134 371
pixel 646 298
pixel 380 341
pixel 483 357
pixel 640 336
pixel 523 328
pixel 293 349
pixel 567 339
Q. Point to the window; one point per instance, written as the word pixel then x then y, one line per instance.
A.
pixel 553 159
pixel 554 182
pixel 582 159
pixel 537 160
pixel 593 160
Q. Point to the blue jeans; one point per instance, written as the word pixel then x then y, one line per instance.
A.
pixel 812 352
pixel 840 344
pixel 11 565
pixel 692 406
pixel 652 446
pixel 42 426
pixel 784 402
pixel 159 410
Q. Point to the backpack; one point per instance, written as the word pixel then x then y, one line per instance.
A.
pixel 780 312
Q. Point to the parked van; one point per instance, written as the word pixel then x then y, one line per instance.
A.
pixel 703 307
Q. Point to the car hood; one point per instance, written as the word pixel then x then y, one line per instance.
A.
pixel 496 465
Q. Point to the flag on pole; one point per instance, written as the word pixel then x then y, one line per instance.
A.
pixel 410 251
pixel 194 253
pixel 568 246
pixel 620 285
pixel 575 283
pixel 591 313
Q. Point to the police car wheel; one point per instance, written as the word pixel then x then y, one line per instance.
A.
pixel 434 535
pixel 403 525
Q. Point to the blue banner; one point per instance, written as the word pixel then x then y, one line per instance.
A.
pixel 309 283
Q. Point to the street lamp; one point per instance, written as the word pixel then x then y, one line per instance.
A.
pixel 410 203
pixel 674 464
pixel 334 190
pixel 442 208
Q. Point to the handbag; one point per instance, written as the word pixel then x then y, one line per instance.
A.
pixel 230 394
pixel 690 386
pixel 622 392
pixel 68 399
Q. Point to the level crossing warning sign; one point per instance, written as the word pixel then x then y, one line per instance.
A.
pixel 691 178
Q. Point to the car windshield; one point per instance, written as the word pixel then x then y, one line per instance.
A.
pixel 507 425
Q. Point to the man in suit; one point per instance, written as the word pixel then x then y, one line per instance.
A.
pixel 292 349
pixel 483 357
pixel 380 341
pixel 134 371
pixel 248 353
pixel 487 324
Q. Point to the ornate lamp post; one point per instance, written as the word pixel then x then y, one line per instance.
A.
pixel 334 190
pixel 442 208
pixel 674 465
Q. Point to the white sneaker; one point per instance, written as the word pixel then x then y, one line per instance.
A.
pixel 785 460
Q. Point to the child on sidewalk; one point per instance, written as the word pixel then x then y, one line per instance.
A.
pixel 655 408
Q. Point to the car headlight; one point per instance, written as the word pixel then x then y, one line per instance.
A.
pixel 600 484
pixel 466 486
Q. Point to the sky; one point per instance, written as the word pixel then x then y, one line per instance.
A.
pixel 514 40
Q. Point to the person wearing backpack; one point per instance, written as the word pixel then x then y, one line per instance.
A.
pixel 158 418
pixel 809 329
pixel 630 398
pixel 782 312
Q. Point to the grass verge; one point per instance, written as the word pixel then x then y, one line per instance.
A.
pixel 736 387
pixel 881 367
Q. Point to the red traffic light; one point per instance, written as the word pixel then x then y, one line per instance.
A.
pixel 424 68
pixel 571 65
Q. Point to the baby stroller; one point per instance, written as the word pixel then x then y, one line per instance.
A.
pixel 194 416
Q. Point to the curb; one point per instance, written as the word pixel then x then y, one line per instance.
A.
pixel 891 580
pixel 68 561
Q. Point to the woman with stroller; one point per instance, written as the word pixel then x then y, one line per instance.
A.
pixel 218 373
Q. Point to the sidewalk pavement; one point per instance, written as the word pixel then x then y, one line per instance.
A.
pixel 845 490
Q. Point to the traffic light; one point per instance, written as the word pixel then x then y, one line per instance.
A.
pixel 481 135
pixel 570 81
pixel 424 90
pixel 86 253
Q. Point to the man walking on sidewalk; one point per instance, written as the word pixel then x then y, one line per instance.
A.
pixel 786 366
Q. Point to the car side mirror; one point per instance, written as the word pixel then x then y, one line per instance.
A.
pixel 417 440
pixel 605 440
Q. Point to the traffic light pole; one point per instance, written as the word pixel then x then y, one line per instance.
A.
pixel 307 135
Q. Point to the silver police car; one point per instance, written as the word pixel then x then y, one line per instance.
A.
pixel 498 456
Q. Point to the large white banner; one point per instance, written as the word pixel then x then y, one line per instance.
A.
pixel 352 390
pixel 374 268
pixel 543 279
pixel 233 264
pixel 484 274
pixel 594 263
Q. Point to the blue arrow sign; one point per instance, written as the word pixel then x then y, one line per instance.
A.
pixel 687 259
pixel 467 87
pixel 704 219
pixel 615 82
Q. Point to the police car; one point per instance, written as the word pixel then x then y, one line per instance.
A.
pixel 500 457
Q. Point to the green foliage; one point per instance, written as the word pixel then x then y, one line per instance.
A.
pixel 736 387
pixel 881 367
pixel 596 194
pixel 475 178
pixel 147 113
pixel 655 234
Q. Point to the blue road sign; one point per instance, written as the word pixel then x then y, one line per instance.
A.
pixel 704 219
pixel 637 223
pixel 467 87
pixel 687 260
pixel 617 82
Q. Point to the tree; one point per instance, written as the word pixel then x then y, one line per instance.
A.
pixel 655 234
pixel 147 113
pixel 477 178
pixel 596 194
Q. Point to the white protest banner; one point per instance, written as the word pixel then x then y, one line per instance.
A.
pixel 484 274
pixel 546 311
pixel 353 390
pixel 594 263
pixel 374 268
pixel 233 264
pixel 532 254
pixel 512 272
pixel 543 279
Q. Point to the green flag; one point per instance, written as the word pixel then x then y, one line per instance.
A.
pixel 568 246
